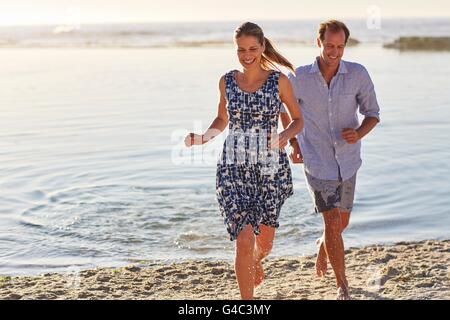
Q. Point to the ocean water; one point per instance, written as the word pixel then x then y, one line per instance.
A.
pixel 93 172
pixel 183 34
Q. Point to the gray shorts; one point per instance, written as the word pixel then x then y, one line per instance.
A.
pixel 332 194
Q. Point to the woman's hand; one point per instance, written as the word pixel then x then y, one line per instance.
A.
pixel 193 139
pixel 278 141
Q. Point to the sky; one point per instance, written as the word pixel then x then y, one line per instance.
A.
pixel 23 12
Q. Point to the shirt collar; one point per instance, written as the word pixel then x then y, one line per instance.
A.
pixel 315 67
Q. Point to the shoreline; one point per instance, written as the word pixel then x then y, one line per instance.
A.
pixel 406 270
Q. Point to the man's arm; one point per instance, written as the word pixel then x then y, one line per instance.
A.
pixel 352 136
pixel 368 107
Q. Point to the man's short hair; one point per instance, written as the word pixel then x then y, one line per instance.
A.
pixel 333 26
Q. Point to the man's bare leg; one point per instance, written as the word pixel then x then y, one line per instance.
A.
pixel 334 248
pixel 322 259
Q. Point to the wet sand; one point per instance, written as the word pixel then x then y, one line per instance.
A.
pixel 402 271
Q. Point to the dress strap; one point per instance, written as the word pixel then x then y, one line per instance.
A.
pixel 274 83
pixel 229 83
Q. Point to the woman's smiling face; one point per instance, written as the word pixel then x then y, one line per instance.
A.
pixel 249 51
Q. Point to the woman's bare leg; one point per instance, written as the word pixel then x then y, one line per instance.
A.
pixel 244 262
pixel 263 247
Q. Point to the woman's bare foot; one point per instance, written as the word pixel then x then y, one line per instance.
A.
pixel 259 274
pixel 321 261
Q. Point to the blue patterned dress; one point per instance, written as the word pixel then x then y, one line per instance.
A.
pixel 252 181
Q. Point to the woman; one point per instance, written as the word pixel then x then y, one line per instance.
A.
pixel 253 174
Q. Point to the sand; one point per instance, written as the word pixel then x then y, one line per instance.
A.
pixel 401 271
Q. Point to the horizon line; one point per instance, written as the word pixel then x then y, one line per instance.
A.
pixel 211 21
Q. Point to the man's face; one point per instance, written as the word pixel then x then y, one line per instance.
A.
pixel 332 48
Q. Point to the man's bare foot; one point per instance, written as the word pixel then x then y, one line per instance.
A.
pixel 259 274
pixel 343 294
pixel 321 261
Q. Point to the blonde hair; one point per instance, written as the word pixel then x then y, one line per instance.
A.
pixel 270 57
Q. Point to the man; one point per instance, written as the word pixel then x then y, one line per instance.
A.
pixel 330 92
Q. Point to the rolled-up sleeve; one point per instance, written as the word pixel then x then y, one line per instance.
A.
pixel 366 97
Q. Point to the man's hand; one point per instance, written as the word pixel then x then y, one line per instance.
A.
pixel 296 154
pixel 351 136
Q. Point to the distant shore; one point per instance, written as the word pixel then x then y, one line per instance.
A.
pixel 418 270
pixel 420 44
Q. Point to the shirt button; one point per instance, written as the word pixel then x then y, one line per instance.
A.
pixel 329 99
pixel 335 143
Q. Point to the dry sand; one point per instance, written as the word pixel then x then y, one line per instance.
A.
pixel 402 271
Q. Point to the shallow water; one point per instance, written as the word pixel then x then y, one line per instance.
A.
pixel 89 177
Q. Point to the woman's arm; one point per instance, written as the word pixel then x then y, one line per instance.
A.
pixel 296 154
pixel 292 128
pixel 217 126
pixel 285 119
